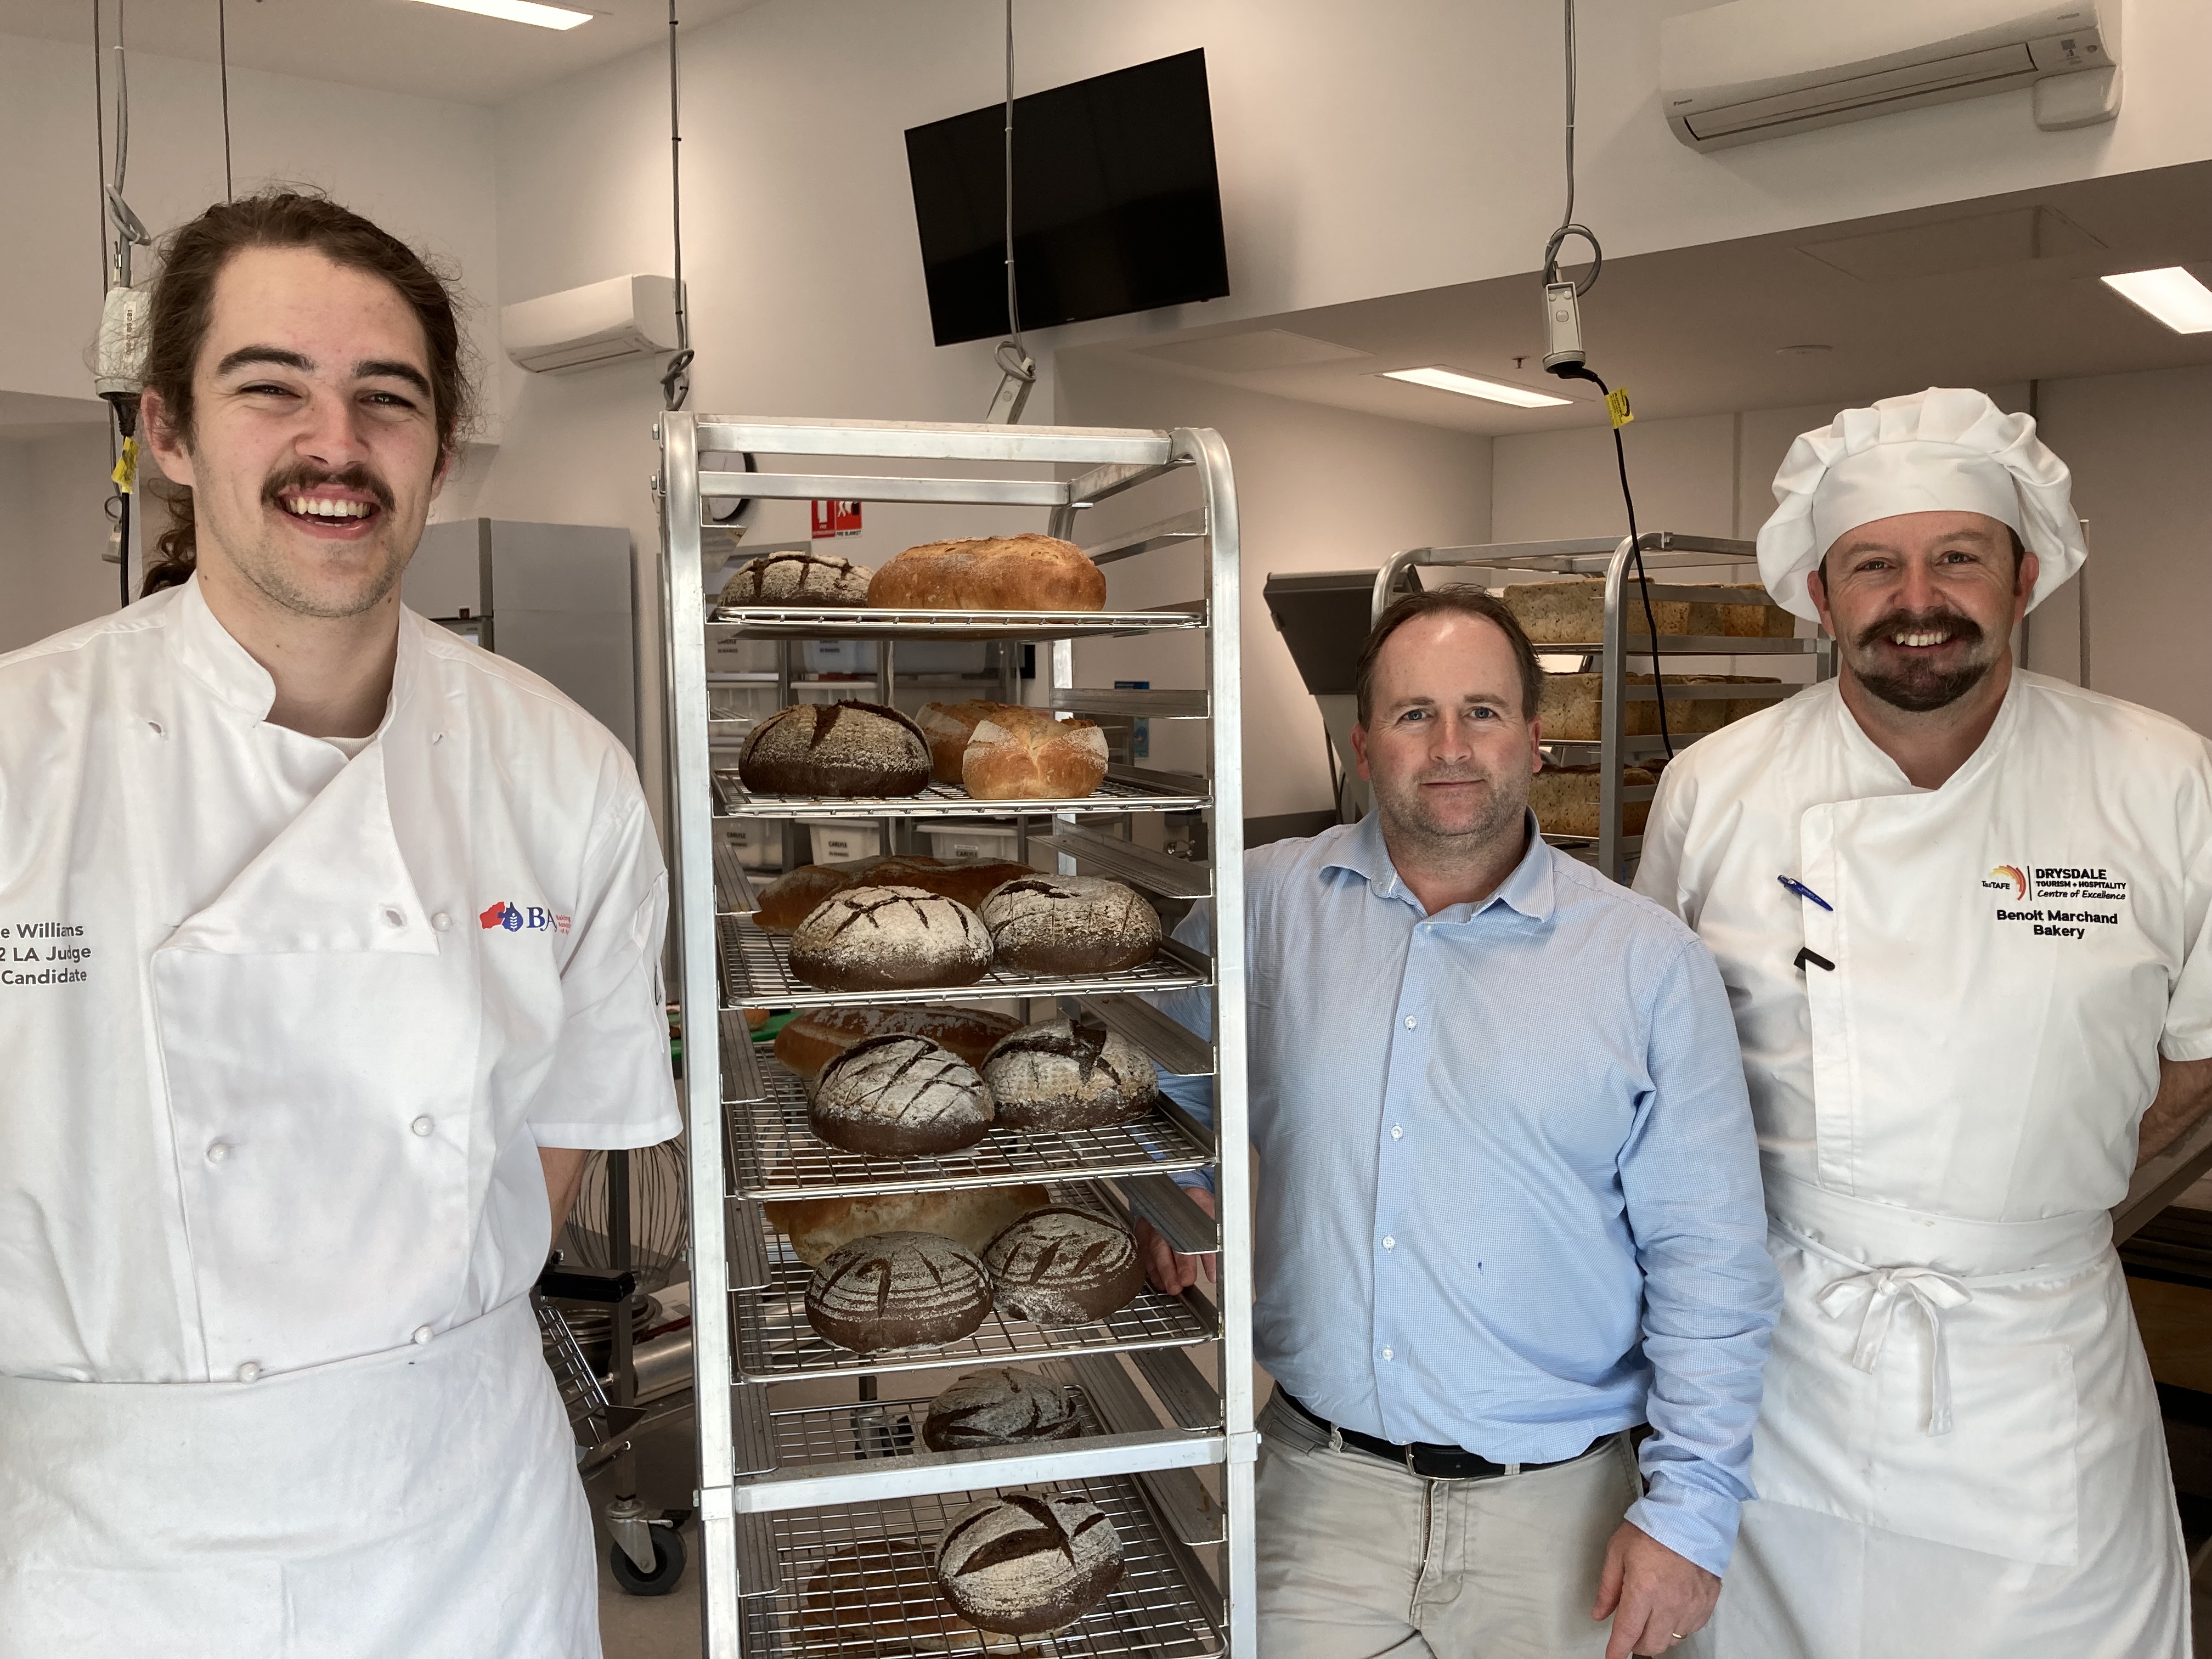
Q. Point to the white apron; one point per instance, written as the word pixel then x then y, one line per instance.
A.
pixel 1960 1448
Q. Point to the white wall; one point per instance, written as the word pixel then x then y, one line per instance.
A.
pixel 53 528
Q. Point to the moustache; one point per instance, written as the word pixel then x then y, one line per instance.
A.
pixel 1963 630
pixel 294 479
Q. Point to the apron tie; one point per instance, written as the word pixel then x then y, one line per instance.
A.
pixel 1881 1288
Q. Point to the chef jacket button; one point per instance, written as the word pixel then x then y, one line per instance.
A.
pixel 248 1371
pixel 217 1150
pixel 394 917
pixel 442 921
pixel 423 1126
pixel 421 1335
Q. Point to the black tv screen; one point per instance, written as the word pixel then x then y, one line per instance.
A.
pixel 1116 204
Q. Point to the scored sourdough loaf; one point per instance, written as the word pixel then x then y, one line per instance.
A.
pixel 969 1216
pixel 1069 1074
pixel 991 573
pixel 1006 751
pixel 900 1096
pixel 889 938
pixel 1071 925
pixel 1002 1406
pixel 1573 612
pixel 1022 1564
pixel 881 1596
pixel 836 749
pixel 1566 801
pixel 812 1039
pixel 792 897
pixel 808 578
pixel 898 1291
pixel 1062 1266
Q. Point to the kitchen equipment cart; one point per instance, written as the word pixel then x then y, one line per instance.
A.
pixel 814 1452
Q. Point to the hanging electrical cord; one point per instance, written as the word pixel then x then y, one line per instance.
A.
pixel 1017 368
pixel 1567 225
pixel 675 380
pixel 223 67
pixel 121 352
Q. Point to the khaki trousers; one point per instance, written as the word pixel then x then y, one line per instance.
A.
pixel 1358 1559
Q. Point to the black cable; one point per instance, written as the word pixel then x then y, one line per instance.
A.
pixel 1013 300
pixel 675 381
pixel 222 63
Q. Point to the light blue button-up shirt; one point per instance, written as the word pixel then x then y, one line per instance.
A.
pixel 1509 1194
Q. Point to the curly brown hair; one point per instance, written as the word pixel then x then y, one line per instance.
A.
pixel 193 256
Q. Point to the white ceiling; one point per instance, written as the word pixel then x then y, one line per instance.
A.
pixel 1976 293
pixel 396 46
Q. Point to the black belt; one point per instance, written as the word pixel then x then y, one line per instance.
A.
pixel 1430 1463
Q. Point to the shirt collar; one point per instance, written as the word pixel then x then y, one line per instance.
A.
pixel 1528 890
pixel 218 661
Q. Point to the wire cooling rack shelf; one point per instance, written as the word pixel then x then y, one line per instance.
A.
pixel 1117 794
pixel 844 623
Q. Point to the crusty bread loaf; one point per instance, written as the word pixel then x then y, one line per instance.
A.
pixel 1062 1266
pixel 889 938
pixel 807 580
pixel 1571 709
pixel 1069 1074
pixel 1004 1406
pixel 791 898
pixel 990 573
pixel 1573 612
pixel 970 1217
pixel 971 883
pixel 948 726
pixel 1566 801
pixel 811 1039
pixel 897 1291
pixel 836 749
pixel 1006 751
pixel 900 1096
pixel 881 1596
pixel 1747 613
pixel 1022 1564
pixel 1071 925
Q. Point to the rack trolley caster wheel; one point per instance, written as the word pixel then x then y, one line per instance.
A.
pixel 667 1565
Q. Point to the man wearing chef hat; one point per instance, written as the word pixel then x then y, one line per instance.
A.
pixel 328 942
pixel 1961 913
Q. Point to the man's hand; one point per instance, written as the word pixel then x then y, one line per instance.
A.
pixel 1653 1596
pixel 1172 1274
pixel 564 1178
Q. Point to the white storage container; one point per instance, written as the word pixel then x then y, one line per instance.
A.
pixel 759 842
pixel 973 843
pixel 839 843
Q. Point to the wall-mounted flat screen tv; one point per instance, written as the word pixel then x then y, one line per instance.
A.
pixel 1117 207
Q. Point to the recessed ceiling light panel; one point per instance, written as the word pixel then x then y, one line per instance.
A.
pixel 1496 391
pixel 2171 295
pixel 518 11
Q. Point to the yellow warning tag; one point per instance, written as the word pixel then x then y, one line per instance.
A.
pixel 126 466
pixel 1616 404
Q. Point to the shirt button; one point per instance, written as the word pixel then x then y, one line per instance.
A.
pixel 423 1126
pixel 154 726
pixel 1397 1131
pixel 1389 1243
pixel 248 1371
pixel 1389 1353
pixel 422 1334
pixel 1411 1022
pixel 393 917
pixel 442 921
pixel 218 1152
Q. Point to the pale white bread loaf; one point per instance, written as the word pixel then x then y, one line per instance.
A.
pixel 889 938
pixel 898 1291
pixel 1069 1074
pixel 1071 925
pixel 804 579
pixel 1063 1265
pixel 900 1096
pixel 1566 801
pixel 1027 755
pixel 991 573
pixel 1004 1406
pixel 881 1597
pixel 948 726
pixel 970 1217
pixel 1024 1565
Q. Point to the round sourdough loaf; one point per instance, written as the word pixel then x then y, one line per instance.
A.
pixel 1062 1266
pixel 1027 755
pixel 900 1096
pixel 790 898
pixel 805 578
pixel 948 726
pixel 991 573
pixel 811 1039
pixel 836 749
pixel 1071 925
pixel 1065 1074
pixel 889 938
pixel 1022 1566
pixel 898 1291
pixel 1002 1406
pixel 970 1217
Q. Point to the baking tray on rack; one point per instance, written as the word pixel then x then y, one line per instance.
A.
pixel 1155 1611
pixel 756 968
pixel 1116 795
pixel 854 623
pixel 774 1155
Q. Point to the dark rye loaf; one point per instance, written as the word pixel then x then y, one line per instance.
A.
pixel 895 1291
pixel 889 938
pixel 1022 1566
pixel 900 1096
pixel 1069 1074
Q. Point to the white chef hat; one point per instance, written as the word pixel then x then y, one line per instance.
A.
pixel 1946 449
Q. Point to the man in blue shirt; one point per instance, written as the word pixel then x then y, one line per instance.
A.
pixel 1508 1203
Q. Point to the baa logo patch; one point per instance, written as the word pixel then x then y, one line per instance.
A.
pixel 517 918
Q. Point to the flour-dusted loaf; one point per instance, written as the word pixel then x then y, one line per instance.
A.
pixel 1063 1265
pixel 1069 1074
pixel 836 749
pixel 889 938
pixel 1006 751
pixel 1573 612
pixel 969 1216
pixel 803 580
pixel 900 1096
pixel 790 899
pixel 991 573
pixel 880 1597
pixel 811 1039
pixel 1565 799
pixel 1071 925
pixel 1023 1564
pixel 898 1291
pixel 1003 1406
pixel 971 883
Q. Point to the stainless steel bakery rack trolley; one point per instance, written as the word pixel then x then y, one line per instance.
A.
pixel 815 1455
pixel 1665 552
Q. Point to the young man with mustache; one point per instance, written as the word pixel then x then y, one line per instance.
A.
pixel 1962 913
pixel 328 945
pixel 1507 1203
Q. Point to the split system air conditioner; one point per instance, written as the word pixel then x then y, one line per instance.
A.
pixel 609 322
pixel 1761 68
